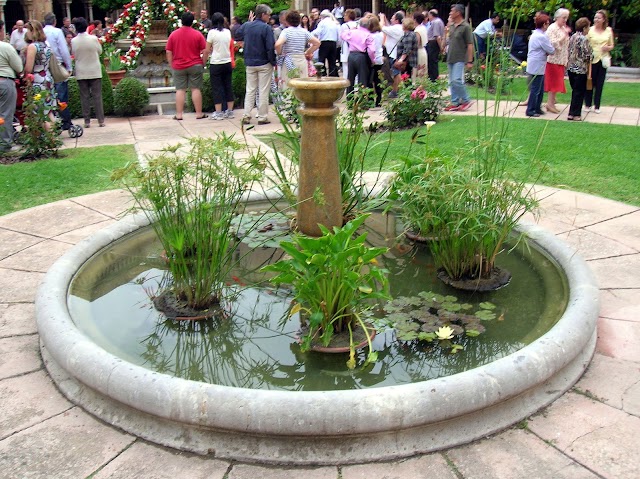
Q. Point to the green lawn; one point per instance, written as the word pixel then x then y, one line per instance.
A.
pixel 78 172
pixel 603 160
pixel 613 93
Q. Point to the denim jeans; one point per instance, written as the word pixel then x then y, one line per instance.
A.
pixel 62 90
pixel 535 97
pixel 459 93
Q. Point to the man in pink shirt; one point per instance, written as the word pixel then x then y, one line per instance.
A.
pixel 362 54
pixel 184 54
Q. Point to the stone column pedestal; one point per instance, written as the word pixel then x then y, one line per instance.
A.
pixel 319 192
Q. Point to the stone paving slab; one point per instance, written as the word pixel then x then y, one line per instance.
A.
pixel 620 304
pixel 424 467
pixel 143 460
pixel 19 355
pixel 601 438
pixel 515 454
pixel 604 117
pixel 619 339
pixel 39 257
pixel 70 445
pixel 624 228
pixel 17 319
pixel 613 381
pixel 595 246
pixel 110 203
pixel 51 219
pixel 626 268
pixel 77 235
pixel 12 242
pixel 18 286
pixel 246 471
pixel 28 400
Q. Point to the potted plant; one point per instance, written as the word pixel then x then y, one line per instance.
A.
pixel 335 281
pixel 191 198
pixel 116 68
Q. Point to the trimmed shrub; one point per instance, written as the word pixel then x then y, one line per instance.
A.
pixel 239 81
pixel 130 98
pixel 74 96
pixel 107 93
pixel 207 95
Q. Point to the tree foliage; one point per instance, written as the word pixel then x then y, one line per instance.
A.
pixel 109 5
pixel 245 6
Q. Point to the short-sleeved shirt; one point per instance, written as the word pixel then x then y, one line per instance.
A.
pixel 220 41
pixel 186 44
pixel 435 29
pixel 459 37
pixel 485 28
pixel 296 40
pixel 599 40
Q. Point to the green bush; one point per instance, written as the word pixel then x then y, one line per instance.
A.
pixel 130 98
pixel 107 93
pixel 207 95
pixel 74 96
pixel 238 83
pixel 635 51
pixel 415 104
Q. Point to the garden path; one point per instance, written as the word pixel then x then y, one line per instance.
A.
pixel 590 432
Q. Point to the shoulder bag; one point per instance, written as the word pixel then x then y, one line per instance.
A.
pixel 58 73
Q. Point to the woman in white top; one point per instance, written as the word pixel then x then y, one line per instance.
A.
pixel 292 48
pixel 421 34
pixel 219 46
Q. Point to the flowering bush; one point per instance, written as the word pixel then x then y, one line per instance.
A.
pixel 36 140
pixel 415 104
pixel 136 17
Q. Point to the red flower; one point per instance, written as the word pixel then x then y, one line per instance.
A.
pixel 404 76
pixel 483 67
pixel 132 54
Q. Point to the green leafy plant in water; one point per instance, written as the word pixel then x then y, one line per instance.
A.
pixel 437 318
pixel 191 198
pixel 335 281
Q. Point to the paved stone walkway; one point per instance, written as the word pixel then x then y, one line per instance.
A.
pixel 592 431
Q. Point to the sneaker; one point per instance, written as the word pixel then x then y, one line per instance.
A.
pixel 263 122
pixel 597 111
pixel 217 115
pixel 588 108
pixel 465 106
pixel 393 94
pixel 229 114
pixel 451 107
pixel 246 120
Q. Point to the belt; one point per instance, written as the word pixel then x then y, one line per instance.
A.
pixel 6 78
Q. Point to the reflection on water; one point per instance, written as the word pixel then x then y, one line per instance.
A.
pixel 252 348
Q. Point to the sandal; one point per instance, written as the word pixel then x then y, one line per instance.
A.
pixel 176 118
pixel 201 117
pixel 570 118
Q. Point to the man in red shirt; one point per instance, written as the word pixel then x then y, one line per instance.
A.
pixel 184 54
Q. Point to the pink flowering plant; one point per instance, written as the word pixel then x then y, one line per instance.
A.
pixel 416 103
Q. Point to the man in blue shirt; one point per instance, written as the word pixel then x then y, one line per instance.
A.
pixel 59 48
pixel 259 58
pixel 328 33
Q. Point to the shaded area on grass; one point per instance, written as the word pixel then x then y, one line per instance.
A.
pixel 76 172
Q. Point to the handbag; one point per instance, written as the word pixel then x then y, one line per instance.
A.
pixel 385 69
pixel 606 61
pixel 58 73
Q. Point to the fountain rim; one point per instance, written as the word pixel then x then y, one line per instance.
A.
pixel 134 385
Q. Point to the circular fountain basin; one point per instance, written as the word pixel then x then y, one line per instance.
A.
pixel 315 427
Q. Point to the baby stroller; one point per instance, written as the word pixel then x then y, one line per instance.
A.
pixel 75 131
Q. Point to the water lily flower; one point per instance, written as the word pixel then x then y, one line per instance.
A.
pixel 445 332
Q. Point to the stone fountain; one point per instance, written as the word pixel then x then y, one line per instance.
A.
pixel 315 427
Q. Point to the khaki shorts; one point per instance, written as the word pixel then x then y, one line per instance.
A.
pixel 189 78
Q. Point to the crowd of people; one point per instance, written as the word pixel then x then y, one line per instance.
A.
pixel 367 49
pixel 583 54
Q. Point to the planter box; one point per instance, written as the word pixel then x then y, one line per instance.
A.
pixel 624 72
